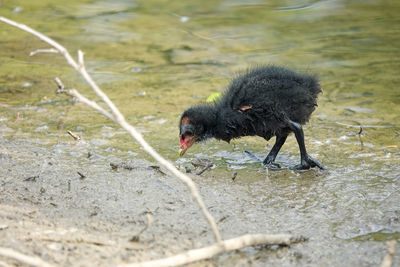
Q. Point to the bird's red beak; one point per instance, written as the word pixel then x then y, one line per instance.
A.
pixel 185 143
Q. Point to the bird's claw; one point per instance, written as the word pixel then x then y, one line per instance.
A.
pixel 271 165
pixel 308 163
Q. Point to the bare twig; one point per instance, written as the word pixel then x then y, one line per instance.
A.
pixel 74 93
pixel 77 240
pixel 60 85
pixel 81 175
pixel 391 250
pixel 74 135
pixel 29 260
pixel 3 264
pixel 218 248
pixel 80 59
pixel 120 119
pixel 51 50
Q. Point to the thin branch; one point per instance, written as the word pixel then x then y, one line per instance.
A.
pixel 74 135
pixel 80 59
pixel 44 38
pixel 33 261
pixel 120 119
pixel 74 93
pixel 391 250
pixel 3 264
pixel 60 85
pixel 50 50
pixel 194 255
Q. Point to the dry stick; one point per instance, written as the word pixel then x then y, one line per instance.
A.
pixel 226 245
pixel 74 135
pixel 391 250
pixel 3 264
pixel 33 261
pixel 74 93
pixel 120 119
pixel 51 50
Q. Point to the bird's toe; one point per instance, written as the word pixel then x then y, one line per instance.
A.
pixel 308 163
pixel 300 167
pixel 315 163
pixel 271 165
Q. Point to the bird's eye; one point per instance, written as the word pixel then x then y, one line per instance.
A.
pixel 185 134
pixel 190 133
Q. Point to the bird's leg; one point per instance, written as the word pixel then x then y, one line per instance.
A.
pixel 269 160
pixel 306 161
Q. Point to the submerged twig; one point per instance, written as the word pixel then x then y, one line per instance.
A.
pixel 135 237
pixel 359 137
pixel 122 165
pixel 364 125
pixel 31 178
pixel 204 169
pixel 157 168
pixel 234 176
pixel 81 176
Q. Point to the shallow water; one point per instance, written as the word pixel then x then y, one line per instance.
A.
pixel 156 58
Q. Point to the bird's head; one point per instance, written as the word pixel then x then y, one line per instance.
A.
pixel 190 132
pixel 197 124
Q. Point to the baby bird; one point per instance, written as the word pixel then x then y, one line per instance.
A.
pixel 266 101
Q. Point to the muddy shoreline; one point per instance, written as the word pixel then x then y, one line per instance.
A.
pixel 69 220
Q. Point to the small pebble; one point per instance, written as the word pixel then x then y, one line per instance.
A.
pixel 187 169
pixel 184 19
pixel 17 10
pixel 136 69
pixel 26 84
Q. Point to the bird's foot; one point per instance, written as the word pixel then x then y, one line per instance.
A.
pixel 308 163
pixel 270 164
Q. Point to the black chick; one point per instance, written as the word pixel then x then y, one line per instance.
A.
pixel 266 101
